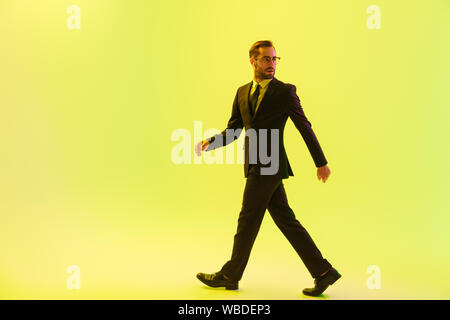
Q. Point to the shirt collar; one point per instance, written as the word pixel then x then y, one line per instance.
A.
pixel 263 83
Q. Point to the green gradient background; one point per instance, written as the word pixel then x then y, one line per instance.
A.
pixel 86 176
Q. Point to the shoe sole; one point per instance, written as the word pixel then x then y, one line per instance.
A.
pixel 232 287
pixel 235 287
pixel 227 287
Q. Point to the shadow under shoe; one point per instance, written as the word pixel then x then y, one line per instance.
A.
pixel 216 280
pixel 322 282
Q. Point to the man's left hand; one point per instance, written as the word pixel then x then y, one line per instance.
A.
pixel 323 173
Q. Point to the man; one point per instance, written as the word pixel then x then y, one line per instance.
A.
pixel 264 105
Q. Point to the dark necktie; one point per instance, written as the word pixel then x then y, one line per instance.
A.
pixel 254 99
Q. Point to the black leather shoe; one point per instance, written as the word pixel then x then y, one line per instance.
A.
pixel 217 280
pixel 322 282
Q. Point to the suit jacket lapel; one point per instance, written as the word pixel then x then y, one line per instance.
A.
pixel 246 92
pixel 269 92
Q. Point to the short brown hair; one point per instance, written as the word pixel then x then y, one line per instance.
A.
pixel 254 50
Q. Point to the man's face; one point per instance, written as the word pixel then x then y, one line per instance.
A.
pixel 264 69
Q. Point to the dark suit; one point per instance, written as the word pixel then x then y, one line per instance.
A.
pixel 264 191
pixel 279 102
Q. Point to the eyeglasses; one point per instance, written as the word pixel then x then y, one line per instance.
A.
pixel 268 59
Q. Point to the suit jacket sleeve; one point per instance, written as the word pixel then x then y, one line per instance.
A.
pixel 295 112
pixel 232 131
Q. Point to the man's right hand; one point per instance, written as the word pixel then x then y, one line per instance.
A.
pixel 202 145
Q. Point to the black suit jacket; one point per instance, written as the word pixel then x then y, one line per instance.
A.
pixel 279 102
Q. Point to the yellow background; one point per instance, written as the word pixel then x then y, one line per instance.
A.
pixel 86 118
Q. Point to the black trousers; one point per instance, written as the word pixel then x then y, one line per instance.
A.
pixel 267 192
